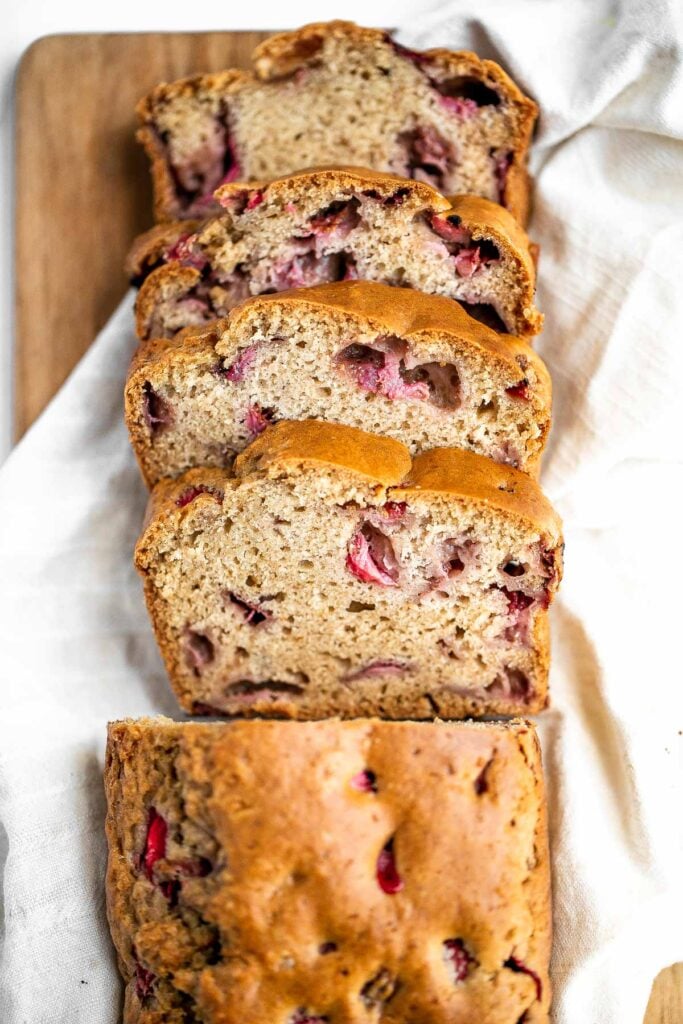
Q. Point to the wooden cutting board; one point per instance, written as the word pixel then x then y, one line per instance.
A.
pixel 82 194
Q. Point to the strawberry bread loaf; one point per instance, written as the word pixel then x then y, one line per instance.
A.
pixel 327 573
pixel 328 872
pixel 325 225
pixel 388 360
pixel 336 93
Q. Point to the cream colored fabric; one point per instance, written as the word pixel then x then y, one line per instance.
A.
pixel 77 648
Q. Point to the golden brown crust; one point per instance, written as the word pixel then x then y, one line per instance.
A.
pixel 405 312
pixel 454 471
pixel 290 444
pixel 338 177
pixel 245 801
pixel 440 473
pixel 422 320
pixel 518 192
pixel 283 52
pixel 445 472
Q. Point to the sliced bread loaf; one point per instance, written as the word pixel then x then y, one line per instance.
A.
pixel 389 360
pixel 329 574
pixel 336 93
pixel 330 224
pixel 328 872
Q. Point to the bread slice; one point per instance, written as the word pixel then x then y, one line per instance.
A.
pixel 322 872
pixel 330 575
pixel 336 93
pixel 390 360
pixel 330 224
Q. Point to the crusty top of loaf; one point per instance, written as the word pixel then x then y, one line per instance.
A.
pixel 292 446
pixel 336 177
pixel 292 443
pixel 404 312
pixel 297 845
pixel 223 81
pixel 464 474
pixel 282 53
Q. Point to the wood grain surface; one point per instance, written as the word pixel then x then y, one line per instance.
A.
pixel 82 194
pixel 82 186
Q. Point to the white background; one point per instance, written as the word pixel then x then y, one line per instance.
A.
pixel 27 20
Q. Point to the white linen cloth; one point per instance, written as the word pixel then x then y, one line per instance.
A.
pixel 77 649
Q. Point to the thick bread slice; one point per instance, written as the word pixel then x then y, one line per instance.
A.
pixel 328 224
pixel 328 872
pixel 337 93
pixel 329 575
pixel 389 360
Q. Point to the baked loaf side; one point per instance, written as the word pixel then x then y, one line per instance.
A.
pixel 336 93
pixel 327 574
pixel 277 872
pixel 333 224
pixel 388 360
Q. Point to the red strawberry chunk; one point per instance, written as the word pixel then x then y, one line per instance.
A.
pixel 520 390
pixel 450 230
pixel 371 558
pixel 517 600
pixel 257 419
pixel 192 867
pixel 184 253
pixel 382 371
pixel 155 842
pixel 365 781
pixel 394 509
pixel 458 957
pixel 244 362
pixel 144 982
pixel 335 223
pixel 191 493
pixel 234 171
pixel 430 156
pixel 460 106
pixel 350 269
pixel 377 668
pixel 156 411
pixel 254 614
pixel 388 877
pixel 513 964
pixel 467 262
pixel 254 200
pixel 198 650
pixel 200 708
